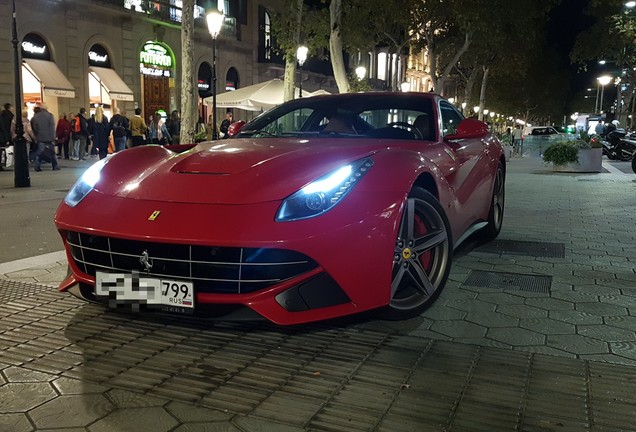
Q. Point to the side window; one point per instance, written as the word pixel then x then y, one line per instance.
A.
pixel 450 118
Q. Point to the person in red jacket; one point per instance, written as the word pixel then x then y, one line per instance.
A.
pixel 62 136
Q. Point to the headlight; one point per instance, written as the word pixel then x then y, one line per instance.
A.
pixel 321 195
pixel 85 184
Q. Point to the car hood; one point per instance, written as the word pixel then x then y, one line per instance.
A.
pixel 236 171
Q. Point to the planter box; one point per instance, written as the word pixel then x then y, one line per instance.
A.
pixel 590 160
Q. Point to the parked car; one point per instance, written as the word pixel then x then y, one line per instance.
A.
pixel 540 131
pixel 321 207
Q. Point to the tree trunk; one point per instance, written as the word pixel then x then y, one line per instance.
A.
pixel 439 86
pixel 468 91
pixel 290 57
pixel 482 94
pixel 335 46
pixel 188 91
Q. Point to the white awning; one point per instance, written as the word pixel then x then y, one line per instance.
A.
pixel 51 77
pixel 114 85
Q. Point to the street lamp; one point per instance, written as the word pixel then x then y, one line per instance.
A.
pixel 215 21
pixel 630 4
pixel 301 55
pixel 463 107
pixel 21 176
pixel 361 72
pixel 603 81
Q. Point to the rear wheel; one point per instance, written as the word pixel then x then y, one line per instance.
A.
pixel 422 256
pixel 496 212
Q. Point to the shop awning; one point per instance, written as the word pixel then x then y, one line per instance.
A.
pixel 114 85
pixel 51 77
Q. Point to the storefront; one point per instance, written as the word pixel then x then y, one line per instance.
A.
pixel 157 66
pixel 204 85
pixel 42 79
pixel 105 86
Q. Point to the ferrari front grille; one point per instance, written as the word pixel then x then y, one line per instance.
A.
pixel 224 270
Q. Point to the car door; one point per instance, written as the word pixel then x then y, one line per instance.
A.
pixel 467 175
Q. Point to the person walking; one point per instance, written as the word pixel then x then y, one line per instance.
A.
pixel 157 131
pixel 173 124
pixel 27 131
pixel 43 125
pixel 80 135
pixel 516 137
pixel 138 129
pixel 99 129
pixel 120 126
pixel 6 117
pixel 62 136
pixel 225 125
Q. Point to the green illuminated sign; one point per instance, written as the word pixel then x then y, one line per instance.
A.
pixel 156 55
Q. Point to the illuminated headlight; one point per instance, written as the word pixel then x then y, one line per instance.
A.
pixel 321 195
pixel 85 184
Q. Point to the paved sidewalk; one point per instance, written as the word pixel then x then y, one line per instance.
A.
pixel 525 336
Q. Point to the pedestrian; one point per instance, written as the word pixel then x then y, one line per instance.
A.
pixel 62 136
pixel 99 129
pixel 173 124
pixel 120 126
pixel 43 125
pixel 27 132
pixel 599 129
pixel 6 117
pixel 80 134
pixel 138 129
pixel 516 143
pixel 225 124
pixel 158 132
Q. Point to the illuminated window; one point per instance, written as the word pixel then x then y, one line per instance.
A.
pixel 268 36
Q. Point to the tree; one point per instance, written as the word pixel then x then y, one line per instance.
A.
pixel 335 46
pixel 188 108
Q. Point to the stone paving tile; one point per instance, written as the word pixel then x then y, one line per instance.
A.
pixel 71 411
pixel 547 326
pixel 575 317
pixel 550 304
pixel 500 298
pixel 440 312
pixel 15 423
pixel 22 397
pixel 470 305
pixel 619 300
pixel 491 319
pixel 458 329
pixel 521 311
pixel 153 419
pixel 621 321
pixel 625 349
pixel 606 333
pixel 516 336
pixel 602 309
pixel 542 349
pixel 578 344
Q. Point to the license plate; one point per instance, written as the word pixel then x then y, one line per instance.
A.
pixel 167 294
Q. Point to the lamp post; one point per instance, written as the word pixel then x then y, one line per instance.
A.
pixel 603 81
pixel 21 165
pixel 301 56
pixel 215 21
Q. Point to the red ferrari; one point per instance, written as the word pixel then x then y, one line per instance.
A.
pixel 319 208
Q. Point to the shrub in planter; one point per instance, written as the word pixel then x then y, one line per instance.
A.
pixel 562 153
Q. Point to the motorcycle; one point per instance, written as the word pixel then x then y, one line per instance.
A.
pixel 618 146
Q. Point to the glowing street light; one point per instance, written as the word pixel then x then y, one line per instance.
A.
pixel 603 81
pixel 301 56
pixel 630 4
pixel 361 72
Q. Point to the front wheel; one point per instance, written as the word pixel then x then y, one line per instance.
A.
pixel 496 212
pixel 421 258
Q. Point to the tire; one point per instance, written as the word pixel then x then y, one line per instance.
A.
pixel 422 257
pixel 497 204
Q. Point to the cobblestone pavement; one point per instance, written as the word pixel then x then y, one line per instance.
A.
pixel 536 331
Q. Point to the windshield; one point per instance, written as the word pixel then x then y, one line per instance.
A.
pixel 348 117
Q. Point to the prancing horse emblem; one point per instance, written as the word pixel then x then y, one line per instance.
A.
pixel 145 260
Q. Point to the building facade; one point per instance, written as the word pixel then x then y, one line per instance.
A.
pixel 127 53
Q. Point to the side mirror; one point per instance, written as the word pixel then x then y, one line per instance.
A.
pixel 468 128
pixel 235 128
